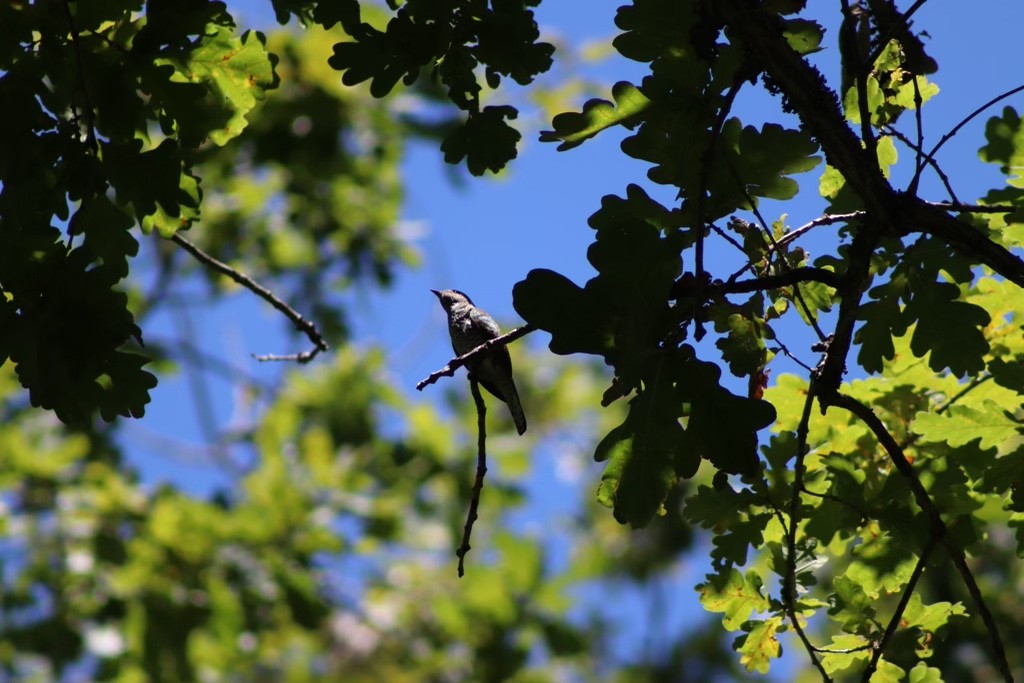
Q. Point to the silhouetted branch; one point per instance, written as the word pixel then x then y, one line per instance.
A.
pixel 922 161
pixel 478 481
pixel 785 279
pixel 305 326
pixel 457 362
pixel 827 219
pixel 967 119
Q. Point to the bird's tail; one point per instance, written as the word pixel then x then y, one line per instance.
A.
pixel 516 408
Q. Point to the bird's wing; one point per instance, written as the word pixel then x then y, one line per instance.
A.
pixel 482 321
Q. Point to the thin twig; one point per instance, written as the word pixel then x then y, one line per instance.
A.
pixel 478 482
pixel 919 151
pixel 457 362
pixel 827 219
pixel 797 294
pixel 305 326
pixel 788 278
pixel 975 208
pixel 700 198
pixel 967 119
pixel 861 78
pixel 789 597
pixel 901 607
pixel 924 501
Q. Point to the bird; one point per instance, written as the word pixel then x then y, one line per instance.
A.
pixel 470 327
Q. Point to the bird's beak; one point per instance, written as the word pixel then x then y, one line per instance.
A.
pixel 436 293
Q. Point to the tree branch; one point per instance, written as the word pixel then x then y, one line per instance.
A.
pixel 478 481
pixel 705 178
pixel 829 374
pixel 806 92
pixel 785 279
pixel 917 149
pixel 457 362
pixel 305 326
pixel 827 219
pixel 789 580
pixel 939 528
pixel 897 616
pixel 967 119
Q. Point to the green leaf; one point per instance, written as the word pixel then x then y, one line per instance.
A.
pixel 989 423
pixel 887 672
pixel 931 617
pixel 573 129
pixel 723 425
pixel 1005 147
pixel 646 455
pixel 485 141
pixel 759 647
pixel 743 347
pixel 67 345
pixel 922 673
pixel 843 652
pixel 764 159
pixel 208 89
pixel 803 35
pixel 106 229
pixel 574 316
pixel 951 329
pixel 735 595
pixel 155 183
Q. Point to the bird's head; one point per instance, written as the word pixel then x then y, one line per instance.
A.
pixel 451 297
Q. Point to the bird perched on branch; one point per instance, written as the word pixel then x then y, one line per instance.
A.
pixel 470 327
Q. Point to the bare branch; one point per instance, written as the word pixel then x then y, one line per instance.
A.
pixel 912 188
pixel 478 481
pixel 967 119
pixel 827 219
pixel 457 362
pixel 305 326
pixel 975 208
pixel 700 198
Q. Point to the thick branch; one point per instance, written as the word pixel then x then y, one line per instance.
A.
pixel 858 276
pixel 807 93
pixel 457 362
pixel 305 326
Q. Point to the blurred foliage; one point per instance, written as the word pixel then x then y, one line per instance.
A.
pixel 327 556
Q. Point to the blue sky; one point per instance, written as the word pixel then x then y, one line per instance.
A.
pixel 484 235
